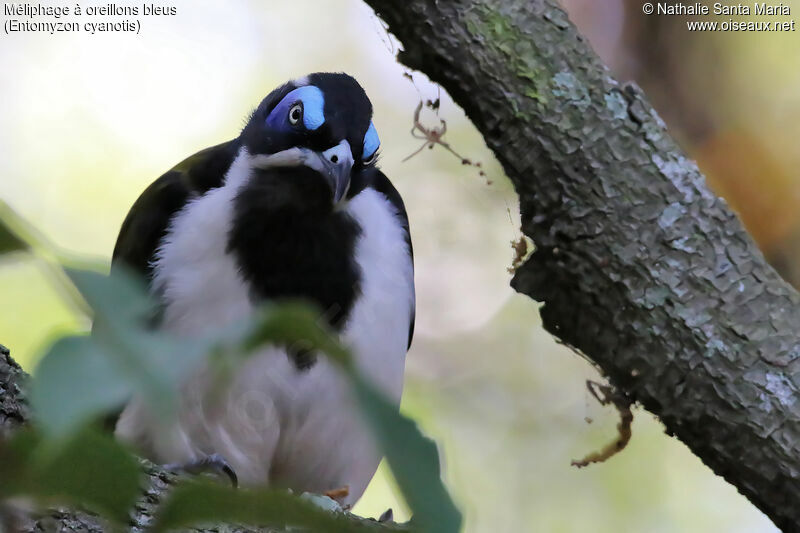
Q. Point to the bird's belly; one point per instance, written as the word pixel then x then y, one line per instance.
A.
pixel 276 425
pixel 324 442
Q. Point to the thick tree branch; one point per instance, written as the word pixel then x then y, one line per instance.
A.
pixel 638 264
pixel 13 407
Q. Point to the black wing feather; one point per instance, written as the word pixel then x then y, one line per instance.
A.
pixel 148 219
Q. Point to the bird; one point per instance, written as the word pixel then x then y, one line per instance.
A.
pixel 294 208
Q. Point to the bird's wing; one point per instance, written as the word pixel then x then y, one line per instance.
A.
pixel 147 221
pixel 383 185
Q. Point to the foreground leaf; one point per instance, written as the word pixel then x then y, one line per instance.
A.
pixel 196 503
pixel 413 459
pixel 90 469
pixel 74 383
pixel 296 325
pixel 10 241
pixel 123 357
pixel 119 297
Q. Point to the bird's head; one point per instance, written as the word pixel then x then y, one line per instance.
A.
pixel 313 136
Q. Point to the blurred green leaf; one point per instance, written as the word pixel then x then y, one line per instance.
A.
pixel 9 240
pixel 413 459
pixel 295 324
pixel 195 503
pixel 74 382
pixel 122 358
pixel 121 296
pixel 90 469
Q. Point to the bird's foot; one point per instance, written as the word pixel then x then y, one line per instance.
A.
pixel 387 516
pixel 213 464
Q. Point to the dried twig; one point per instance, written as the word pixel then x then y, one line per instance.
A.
pixel 606 394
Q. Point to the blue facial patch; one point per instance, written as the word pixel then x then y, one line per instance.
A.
pixel 371 142
pixel 313 109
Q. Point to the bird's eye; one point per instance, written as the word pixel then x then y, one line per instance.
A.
pixel 295 114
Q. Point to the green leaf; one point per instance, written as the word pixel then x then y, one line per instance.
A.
pixel 195 503
pixel 121 296
pixel 122 358
pixel 413 459
pixel 295 324
pixel 10 241
pixel 90 469
pixel 74 382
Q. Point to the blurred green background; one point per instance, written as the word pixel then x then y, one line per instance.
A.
pixel 89 121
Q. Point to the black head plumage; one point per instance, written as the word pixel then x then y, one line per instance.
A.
pixel 332 107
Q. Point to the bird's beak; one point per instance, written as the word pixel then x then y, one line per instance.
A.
pixel 334 164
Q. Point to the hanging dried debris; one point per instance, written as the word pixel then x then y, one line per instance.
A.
pixel 520 247
pixel 606 394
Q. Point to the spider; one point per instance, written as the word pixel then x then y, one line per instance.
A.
pixel 432 137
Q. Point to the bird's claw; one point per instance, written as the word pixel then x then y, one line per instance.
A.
pixel 214 463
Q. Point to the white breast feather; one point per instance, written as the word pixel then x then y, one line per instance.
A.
pixel 192 270
pixel 381 318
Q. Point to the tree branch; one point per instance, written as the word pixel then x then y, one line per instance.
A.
pixel 13 407
pixel 638 264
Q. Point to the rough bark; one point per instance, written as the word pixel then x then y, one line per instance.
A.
pixel 638 265
pixel 13 407
pixel 14 413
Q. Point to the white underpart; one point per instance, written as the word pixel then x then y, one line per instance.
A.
pixel 275 424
